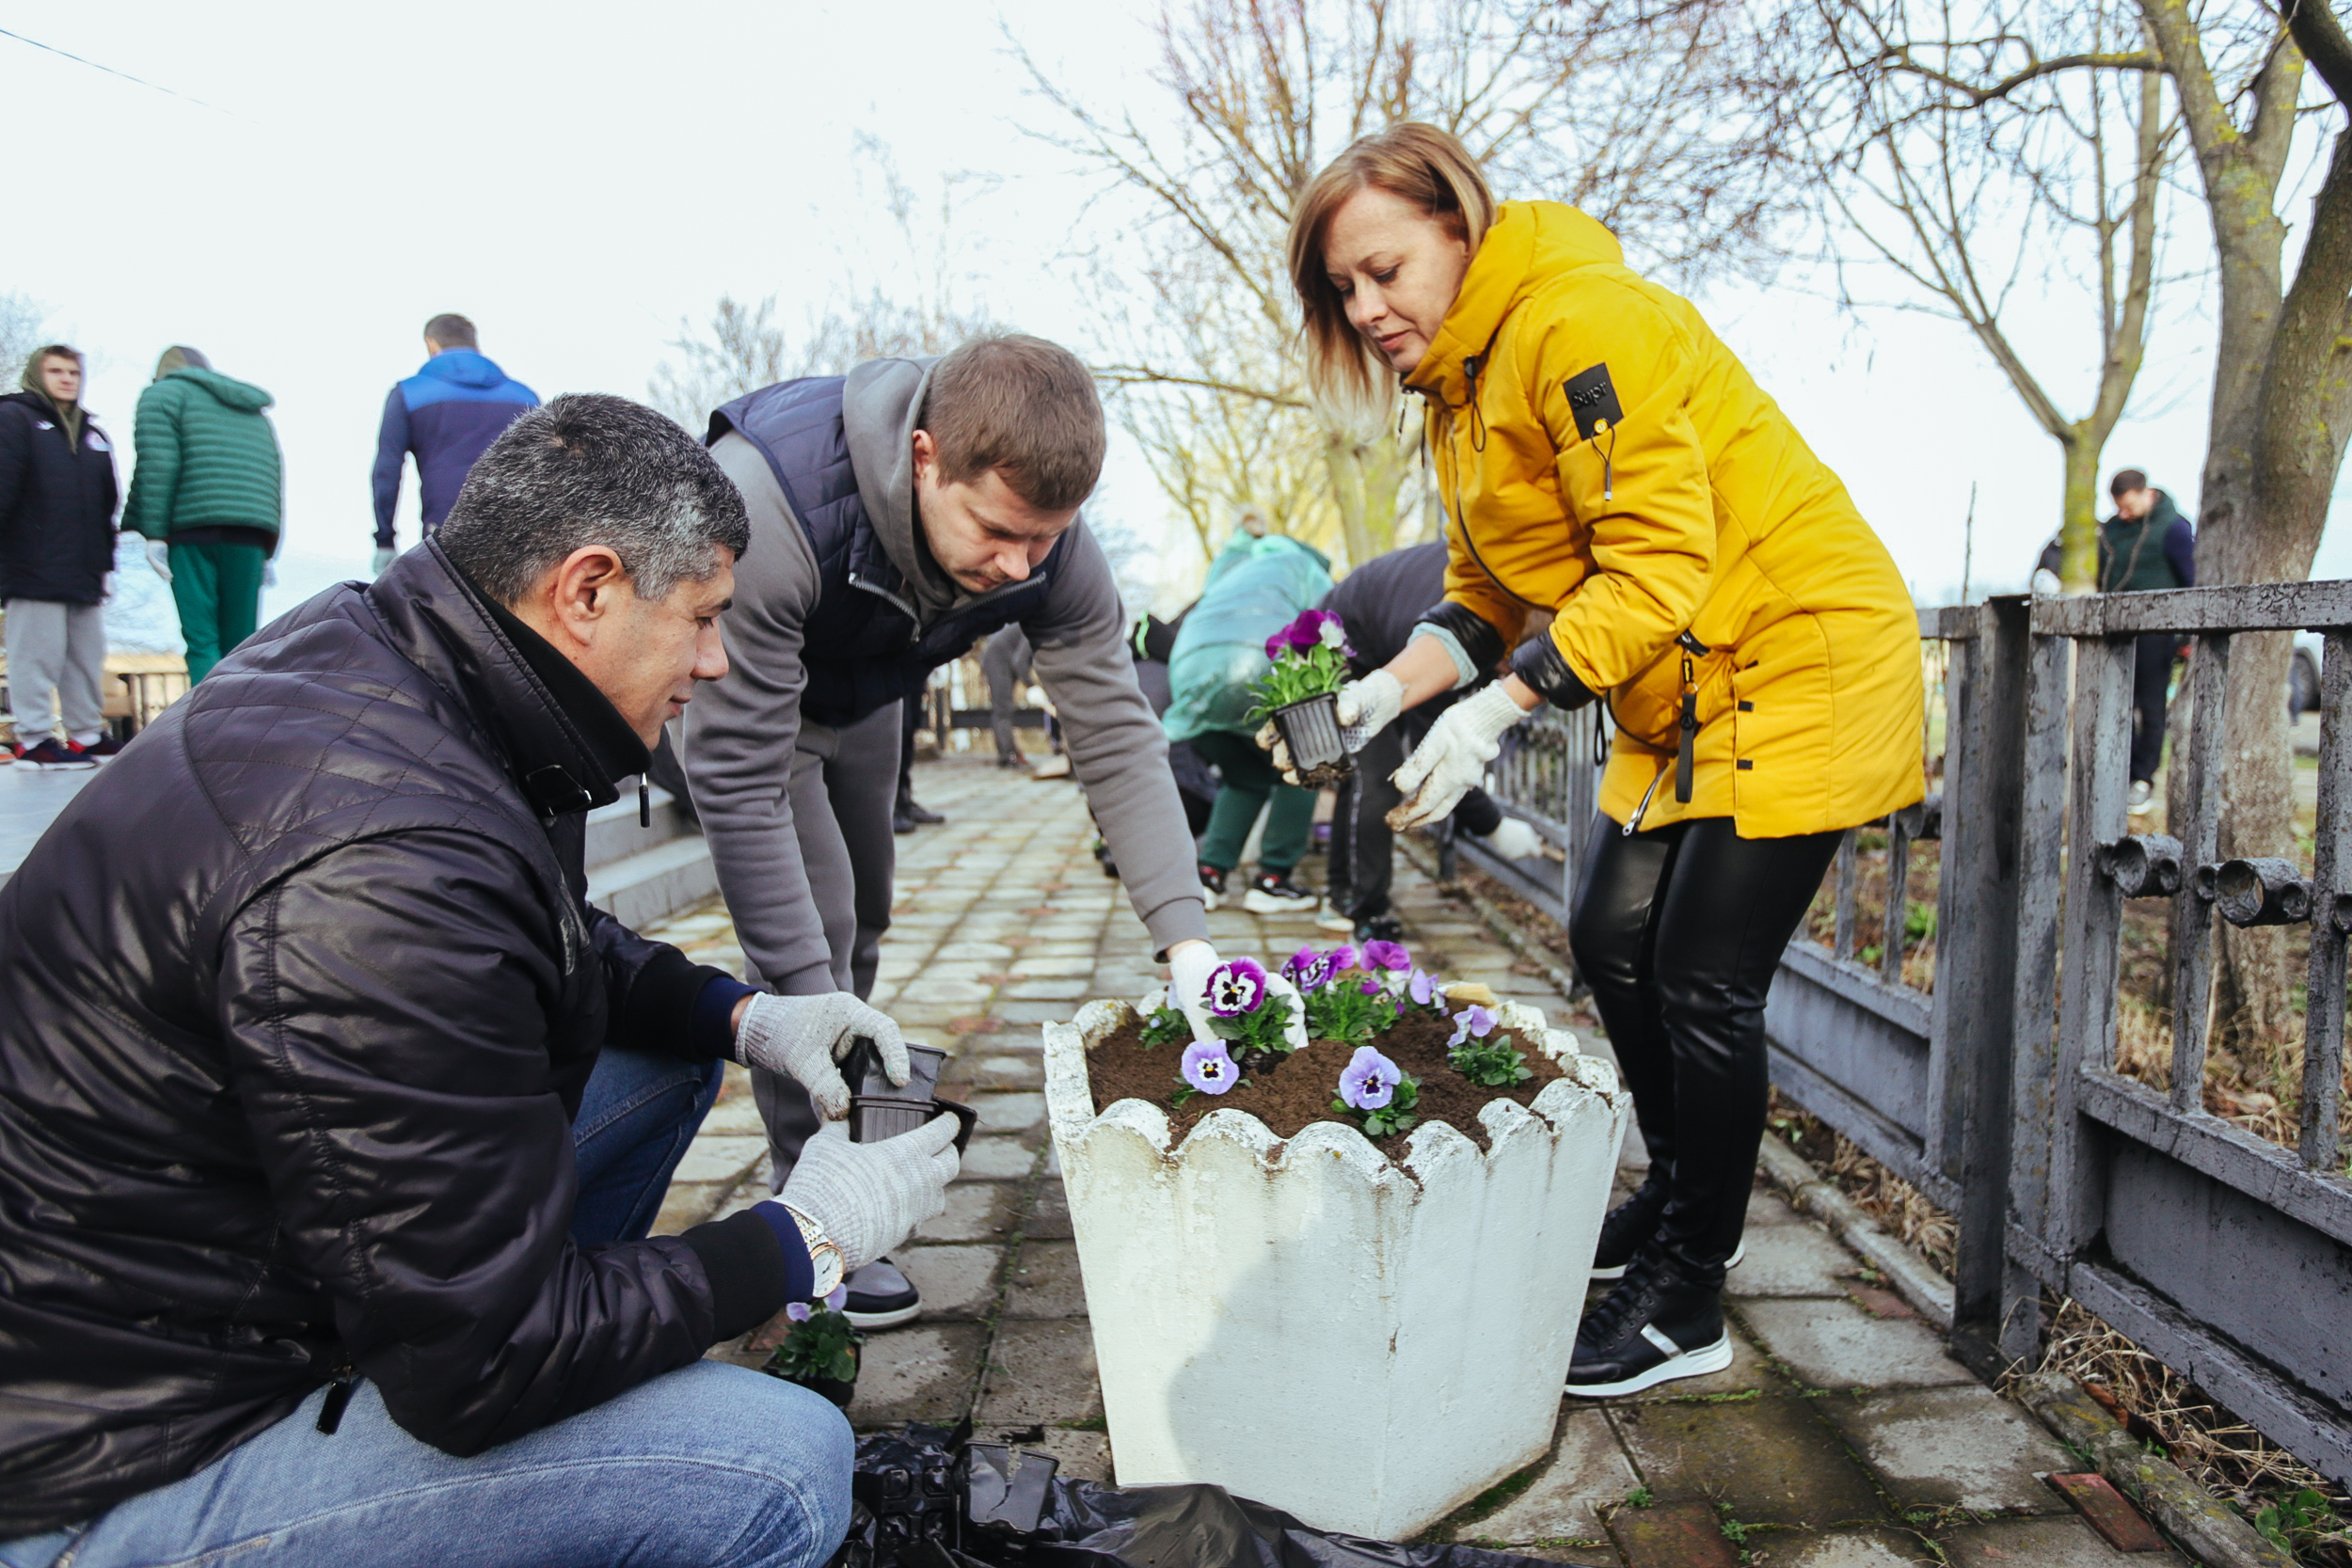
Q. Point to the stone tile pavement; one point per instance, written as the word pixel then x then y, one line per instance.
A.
pixel 1842 1437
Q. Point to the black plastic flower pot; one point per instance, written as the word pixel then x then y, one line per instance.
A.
pixel 841 1391
pixel 1311 730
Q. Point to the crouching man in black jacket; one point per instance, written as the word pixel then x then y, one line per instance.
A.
pixel 332 1118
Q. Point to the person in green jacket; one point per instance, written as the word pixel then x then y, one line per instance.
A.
pixel 208 493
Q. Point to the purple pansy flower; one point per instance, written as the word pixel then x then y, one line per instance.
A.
pixel 1370 988
pixel 1208 1069
pixel 1313 629
pixel 1342 959
pixel 1422 989
pixel 1235 986
pixel 837 1297
pixel 1307 969
pixel 1472 1022
pixel 1388 957
pixel 1370 1079
pixel 798 1311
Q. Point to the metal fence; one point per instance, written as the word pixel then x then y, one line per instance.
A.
pixel 1979 1063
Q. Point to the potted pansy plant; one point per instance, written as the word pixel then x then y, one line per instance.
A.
pixel 1334 1255
pixel 1300 693
pixel 822 1351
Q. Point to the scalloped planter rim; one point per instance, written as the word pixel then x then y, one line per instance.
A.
pixel 1366 1343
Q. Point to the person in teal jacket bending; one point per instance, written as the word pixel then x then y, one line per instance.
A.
pixel 208 493
pixel 1257 585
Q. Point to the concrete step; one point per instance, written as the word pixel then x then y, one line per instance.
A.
pixel 639 888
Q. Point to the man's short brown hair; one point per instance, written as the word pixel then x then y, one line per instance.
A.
pixel 1023 406
pixel 2125 482
pixel 451 331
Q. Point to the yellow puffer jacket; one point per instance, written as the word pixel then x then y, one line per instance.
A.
pixel 1702 511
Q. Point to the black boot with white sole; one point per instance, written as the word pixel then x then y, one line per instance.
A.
pixel 1653 1327
pixel 1632 1225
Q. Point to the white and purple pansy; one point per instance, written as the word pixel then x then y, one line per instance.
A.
pixel 1208 1068
pixel 1369 1082
pixel 1472 1022
pixel 1236 987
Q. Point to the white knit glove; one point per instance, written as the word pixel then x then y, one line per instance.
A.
pixel 1453 759
pixel 804 1037
pixel 1188 972
pixel 159 557
pixel 269 574
pixel 868 1198
pixel 1365 707
pixel 383 560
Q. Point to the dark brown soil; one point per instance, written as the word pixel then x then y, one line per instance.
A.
pixel 1299 1089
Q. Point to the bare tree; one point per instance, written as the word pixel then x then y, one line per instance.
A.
pixel 918 306
pixel 23 325
pixel 1978 163
pixel 2282 400
pixel 1647 116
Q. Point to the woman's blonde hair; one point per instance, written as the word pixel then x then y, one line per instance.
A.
pixel 1421 164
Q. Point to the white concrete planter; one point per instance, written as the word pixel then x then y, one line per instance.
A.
pixel 1366 1344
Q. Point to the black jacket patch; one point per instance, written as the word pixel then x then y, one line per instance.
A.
pixel 1593 402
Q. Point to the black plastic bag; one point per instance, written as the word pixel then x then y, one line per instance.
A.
pixel 929 1498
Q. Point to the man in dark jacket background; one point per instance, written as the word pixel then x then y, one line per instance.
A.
pixel 446 414
pixel 209 491
pixel 57 548
pixel 332 1118
pixel 2145 547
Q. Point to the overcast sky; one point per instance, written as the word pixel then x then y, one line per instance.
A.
pixel 579 179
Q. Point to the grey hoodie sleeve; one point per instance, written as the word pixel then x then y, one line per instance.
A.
pixel 740 732
pixel 1117 747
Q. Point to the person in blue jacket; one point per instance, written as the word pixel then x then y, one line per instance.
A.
pixel 447 414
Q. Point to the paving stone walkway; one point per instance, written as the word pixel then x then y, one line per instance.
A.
pixel 1842 1437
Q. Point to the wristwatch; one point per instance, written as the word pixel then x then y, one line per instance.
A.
pixel 823 1256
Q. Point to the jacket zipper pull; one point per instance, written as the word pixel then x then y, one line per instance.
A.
pixel 645 802
pixel 1633 822
pixel 1684 759
pixel 337 1396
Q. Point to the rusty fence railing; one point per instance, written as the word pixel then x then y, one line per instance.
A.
pixel 1978 1062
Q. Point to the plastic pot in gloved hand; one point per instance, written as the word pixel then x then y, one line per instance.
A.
pixel 1365 1341
pixel 1311 732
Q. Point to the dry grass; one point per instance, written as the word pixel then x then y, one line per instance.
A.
pixel 1895 1203
pixel 2301 1509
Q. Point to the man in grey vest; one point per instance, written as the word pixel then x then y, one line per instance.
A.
pixel 900 515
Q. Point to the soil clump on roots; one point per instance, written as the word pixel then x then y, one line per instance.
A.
pixel 1288 1092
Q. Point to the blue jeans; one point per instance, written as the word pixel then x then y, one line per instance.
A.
pixel 709 1465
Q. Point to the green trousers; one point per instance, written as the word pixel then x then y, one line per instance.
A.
pixel 1252 785
pixel 218 589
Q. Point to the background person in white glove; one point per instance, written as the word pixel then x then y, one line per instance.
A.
pixel 1189 966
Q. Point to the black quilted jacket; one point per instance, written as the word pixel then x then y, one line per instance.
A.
pixel 297 1002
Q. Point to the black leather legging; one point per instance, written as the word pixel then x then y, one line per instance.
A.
pixel 1678 931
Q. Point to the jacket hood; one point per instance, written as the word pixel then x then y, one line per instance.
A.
pixel 226 390
pixel 465 366
pixel 1531 244
pixel 880 403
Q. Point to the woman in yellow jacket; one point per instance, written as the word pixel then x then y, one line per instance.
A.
pixel 1608 465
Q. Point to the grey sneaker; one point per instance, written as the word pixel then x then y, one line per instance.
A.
pixel 881 1297
pixel 2143 796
